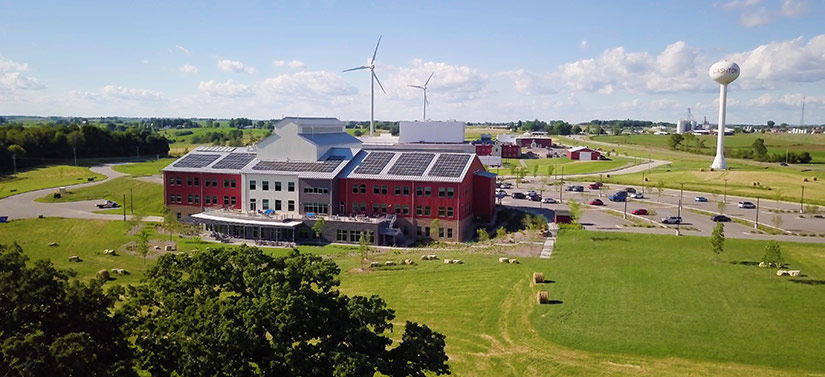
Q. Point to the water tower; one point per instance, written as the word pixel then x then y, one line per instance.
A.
pixel 724 73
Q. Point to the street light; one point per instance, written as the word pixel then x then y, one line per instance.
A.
pixel 679 211
pixel 726 192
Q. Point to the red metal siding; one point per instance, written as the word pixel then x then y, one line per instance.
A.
pixel 347 196
pixel 484 149
pixel 510 151
pixel 187 187
pixel 484 203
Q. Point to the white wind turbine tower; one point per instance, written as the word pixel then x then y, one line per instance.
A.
pixel 373 79
pixel 424 88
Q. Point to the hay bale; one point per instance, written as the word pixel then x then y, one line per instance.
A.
pixel 513 261
pixel 157 248
pixel 456 261
pixel 503 260
pixel 795 273
pixel 408 261
pixel 447 261
pixel 375 264
pixel 781 273
pixel 538 277
pixel 763 264
pixel 110 252
pixel 542 297
pixel 52 244
pixel 74 258
pixel 425 257
pixel 389 263
pixel 102 275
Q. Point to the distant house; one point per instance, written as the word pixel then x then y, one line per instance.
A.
pixel 583 154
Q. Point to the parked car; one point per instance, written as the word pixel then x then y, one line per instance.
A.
pixel 530 193
pixel 720 219
pixel 507 185
pixel 596 202
pixel 637 195
pixel 783 164
pixel 108 204
pixel 535 197
pixel 640 212
pixel 575 188
pixel 700 199
pixel 630 190
pixel 672 220
pixel 500 194
pixel 746 205
pixel 619 196
pixel 596 186
pixel 519 195
pixel 549 200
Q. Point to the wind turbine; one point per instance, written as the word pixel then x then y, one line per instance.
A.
pixel 424 88
pixel 373 79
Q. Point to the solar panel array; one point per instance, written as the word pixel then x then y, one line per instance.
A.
pixel 449 165
pixel 196 160
pixel 374 163
pixel 234 161
pixel 411 164
pixel 319 167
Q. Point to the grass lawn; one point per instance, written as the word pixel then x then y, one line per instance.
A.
pixel 474 133
pixel 180 144
pixel 40 178
pixel 144 168
pixel 148 197
pixel 570 167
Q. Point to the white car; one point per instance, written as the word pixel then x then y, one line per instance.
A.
pixel 548 200
pixel 637 195
pixel 746 205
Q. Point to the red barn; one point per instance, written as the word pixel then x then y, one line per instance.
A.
pixel 583 154
pixel 534 142
pixel 510 151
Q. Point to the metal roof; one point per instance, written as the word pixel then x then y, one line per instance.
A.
pixel 576 149
pixel 328 139
pixel 301 121
pixel 409 166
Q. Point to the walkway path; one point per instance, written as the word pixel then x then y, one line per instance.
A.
pixel 24 206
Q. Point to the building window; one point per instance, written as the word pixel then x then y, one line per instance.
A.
pixel 419 191
pixel 449 211
pixel 171 198
pixel 384 190
pixel 354 236
pixel 234 201
pixel 278 186
pixel 290 206
pixel 189 181
pixel 427 211
pixel 450 192
pixel 178 182
pixel 232 183
pixel 374 207
pixel 383 208
pixel 441 192
pixel 226 200
pixel 449 232
pixel 341 235
pixel 264 204
pixel 418 231
pixel 406 190
pixel 278 205
pixel 427 231
pixel 179 198
pixel 207 199
pixel 440 232
pixel 397 190
pixel 252 185
pixel 178 216
pixel 316 190
pixel 197 182
pixel 206 182
pixel 189 199
pixel 225 183
pixel 253 204
pixel 197 199
pixel 428 192
pixel 419 211
pixel 375 189
pixel 406 210
pixel 441 212
pixel 171 181
pixel 363 188
pixel 265 185
pixel 355 188
pixel 354 207
pixel 363 207
pixel 290 186
pixel 214 199
pixel 316 208
pixel 397 209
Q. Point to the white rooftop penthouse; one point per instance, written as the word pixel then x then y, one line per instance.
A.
pixel 305 139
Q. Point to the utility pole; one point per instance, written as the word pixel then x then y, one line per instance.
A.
pixel 138 153
pixel 802 200
pixel 74 152
pixel 648 160
pixel 756 224
pixel 726 192
pixel 644 185
pixel 625 207
pixel 679 211
pixel 14 161
pixel 600 185
pixel 561 185
pixel 132 202
pixel 124 207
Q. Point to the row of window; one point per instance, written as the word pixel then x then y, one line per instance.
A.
pixel 316 190
pixel 253 185
pixel 399 209
pixel 342 235
pixel 253 205
pixel 195 182
pixel 441 232
pixel 322 208
pixel 208 200
pixel 420 191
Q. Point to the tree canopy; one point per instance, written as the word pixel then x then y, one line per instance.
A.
pixel 241 312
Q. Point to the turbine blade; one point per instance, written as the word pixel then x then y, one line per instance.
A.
pixel 379 82
pixel 425 99
pixel 428 80
pixel 356 68
pixel 417 86
pixel 376 48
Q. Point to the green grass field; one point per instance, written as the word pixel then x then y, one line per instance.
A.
pixel 147 196
pixel 40 178
pixel 144 168
pixel 628 304
pixel 180 144
pixel 570 167
pixel 474 133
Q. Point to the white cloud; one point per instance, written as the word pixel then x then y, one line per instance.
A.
pixel 531 83
pixel 755 18
pixel 224 89
pixel 317 86
pixel 780 61
pixel 131 94
pixel 741 4
pixel 15 81
pixel 183 49
pixel 450 83
pixel 7 65
pixel 188 68
pixel 793 8
pixel 790 100
pixel 296 64
pixel 584 44
pixel 234 66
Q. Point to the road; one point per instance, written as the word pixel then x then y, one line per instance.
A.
pixel 24 206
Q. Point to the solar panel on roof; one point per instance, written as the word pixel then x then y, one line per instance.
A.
pixel 196 160
pixel 319 167
pixel 449 165
pixel 411 164
pixel 374 163
pixel 234 161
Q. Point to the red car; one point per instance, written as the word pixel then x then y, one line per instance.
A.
pixel 595 186
pixel 596 202
pixel 640 211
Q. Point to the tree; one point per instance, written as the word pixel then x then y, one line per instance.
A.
pixel 142 244
pixel 434 225
pixel 550 169
pixel 54 325
pixel 660 188
pixel 575 210
pixel 16 150
pixel 771 124
pixel 520 173
pixel 776 220
pixel 575 130
pixel 318 227
pixel 773 255
pixel 760 149
pixel 357 133
pixel 170 222
pixel 717 240
pixel 689 138
pixel 251 314
pixel 482 235
pixel 674 140
pixel 501 233
pixel 363 247
pixel 721 206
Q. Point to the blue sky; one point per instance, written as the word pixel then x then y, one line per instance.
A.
pixel 577 60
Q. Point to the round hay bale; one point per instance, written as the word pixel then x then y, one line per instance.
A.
pixel 102 275
pixel 542 297
pixel 538 277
